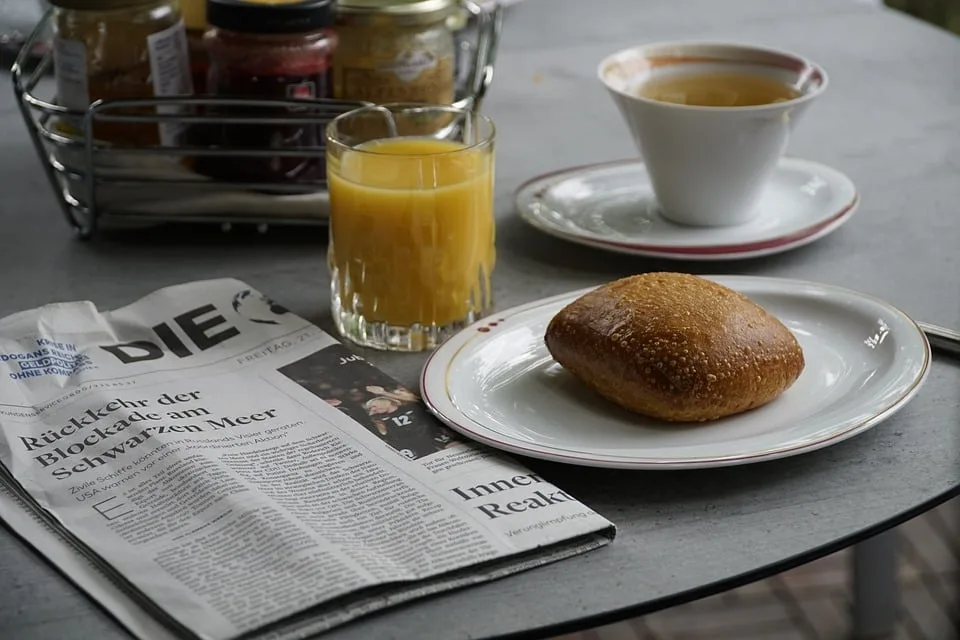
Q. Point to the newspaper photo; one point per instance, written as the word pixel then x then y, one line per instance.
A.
pixel 206 464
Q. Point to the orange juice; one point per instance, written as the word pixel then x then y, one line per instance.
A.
pixel 412 230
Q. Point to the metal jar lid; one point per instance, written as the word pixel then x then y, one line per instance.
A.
pixel 270 18
pixel 405 11
pixel 99 5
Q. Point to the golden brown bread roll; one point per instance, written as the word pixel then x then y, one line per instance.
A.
pixel 675 347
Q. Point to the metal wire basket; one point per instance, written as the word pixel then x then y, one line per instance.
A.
pixel 101 185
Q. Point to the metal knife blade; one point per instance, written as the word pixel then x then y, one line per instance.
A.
pixel 942 338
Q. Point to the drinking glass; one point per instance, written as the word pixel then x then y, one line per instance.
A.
pixel 411 223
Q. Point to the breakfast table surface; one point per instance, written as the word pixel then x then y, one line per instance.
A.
pixel 888 120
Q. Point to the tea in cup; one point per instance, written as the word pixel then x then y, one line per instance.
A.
pixel 711 121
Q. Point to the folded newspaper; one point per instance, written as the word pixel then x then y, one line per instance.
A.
pixel 206 464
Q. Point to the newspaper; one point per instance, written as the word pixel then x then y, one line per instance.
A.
pixel 206 464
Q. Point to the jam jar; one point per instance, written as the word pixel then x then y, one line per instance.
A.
pixel 119 49
pixel 395 51
pixel 267 51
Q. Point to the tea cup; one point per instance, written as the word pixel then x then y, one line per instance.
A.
pixel 708 164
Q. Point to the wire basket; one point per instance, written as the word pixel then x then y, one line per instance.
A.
pixel 103 185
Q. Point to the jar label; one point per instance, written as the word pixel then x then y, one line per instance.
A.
pixel 70 65
pixel 432 84
pixel 410 64
pixel 170 71
pixel 304 90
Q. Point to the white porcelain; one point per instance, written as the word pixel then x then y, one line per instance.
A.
pixel 708 164
pixel 612 206
pixel 495 382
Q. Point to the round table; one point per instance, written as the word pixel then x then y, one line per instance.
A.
pixel 888 120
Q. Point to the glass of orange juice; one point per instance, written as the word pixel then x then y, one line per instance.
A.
pixel 411 223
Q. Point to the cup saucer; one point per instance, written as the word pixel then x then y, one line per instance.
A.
pixel 612 206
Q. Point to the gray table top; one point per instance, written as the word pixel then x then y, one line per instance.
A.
pixel 889 120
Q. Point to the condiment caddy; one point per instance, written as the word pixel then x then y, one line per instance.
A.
pixel 217 115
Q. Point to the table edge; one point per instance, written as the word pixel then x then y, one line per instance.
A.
pixel 727 584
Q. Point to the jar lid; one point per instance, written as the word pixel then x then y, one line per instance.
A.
pixel 98 5
pixel 270 16
pixel 394 7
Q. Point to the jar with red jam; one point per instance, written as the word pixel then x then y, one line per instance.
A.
pixel 268 51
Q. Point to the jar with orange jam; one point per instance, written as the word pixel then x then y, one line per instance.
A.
pixel 119 49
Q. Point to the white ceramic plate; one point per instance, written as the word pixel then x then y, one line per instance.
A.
pixel 495 382
pixel 611 206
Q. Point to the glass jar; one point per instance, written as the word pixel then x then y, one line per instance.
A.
pixel 119 49
pixel 395 51
pixel 195 20
pixel 272 51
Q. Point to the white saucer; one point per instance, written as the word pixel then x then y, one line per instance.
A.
pixel 495 382
pixel 611 206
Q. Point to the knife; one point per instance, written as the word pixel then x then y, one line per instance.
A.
pixel 942 338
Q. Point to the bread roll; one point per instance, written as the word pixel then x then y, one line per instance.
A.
pixel 675 347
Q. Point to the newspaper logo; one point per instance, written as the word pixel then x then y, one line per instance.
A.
pixel 203 328
pixel 49 358
pixel 198 330
pixel 257 307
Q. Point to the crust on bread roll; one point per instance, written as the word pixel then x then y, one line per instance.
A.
pixel 675 347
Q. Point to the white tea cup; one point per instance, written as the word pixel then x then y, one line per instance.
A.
pixel 709 164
